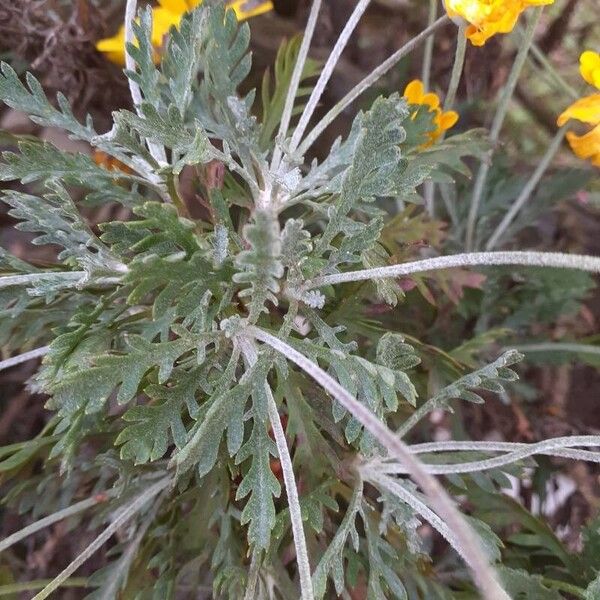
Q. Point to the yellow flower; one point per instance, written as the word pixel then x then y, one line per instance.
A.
pixel 489 17
pixel 586 110
pixel 416 96
pixel 168 14
pixel 590 67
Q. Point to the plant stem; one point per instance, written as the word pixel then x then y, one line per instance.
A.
pixel 428 52
pixel 554 74
pixel 453 446
pixel 326 73
pixel 50 520
pixel 21 358
pixel 156 150
pixel 15 280
pixel 253 571
pixel 457 68
pixel 560 347
pixel 528 450
pixel 497 123
pixel 294 83
pixel 482 572
pixel 36 584
pixel 367 82
pixel 381 480
pixel 135 506
pixel 533 259
pixel 173 187
pixel 306 589
pixel 529 187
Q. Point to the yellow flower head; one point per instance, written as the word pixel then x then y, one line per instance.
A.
pixel 416 96
pixel 489 17
pixel 168 14
pixel 586 110
pixel 589 65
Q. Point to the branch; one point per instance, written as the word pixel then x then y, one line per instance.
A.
pixel 501 112
pixel 483 574
pixel 135 506
pixel 50 520
pixel 326 73
pixel 295 82
pixel 367 82
pixel 21 358
pixel 525 451
pixel 306 589
pixel 532 259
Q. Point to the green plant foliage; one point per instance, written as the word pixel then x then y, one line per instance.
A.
pixel 165 405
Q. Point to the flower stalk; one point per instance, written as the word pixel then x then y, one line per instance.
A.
pixel 498 122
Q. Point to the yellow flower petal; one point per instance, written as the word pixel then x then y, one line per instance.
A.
pixel 586 110
pixel 448 120
pixel 430 99
pixel 586 146
pixel 489 17
pixel 169 14
pixel 414 92
pixel 590 67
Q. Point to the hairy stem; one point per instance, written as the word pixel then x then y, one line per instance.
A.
pixel 428 52
pixel 295 82
pixel 581 262
pixel 367 82
pixel 326 73
pixel 526 451
pixel 306 590
pixel 457 68
pixel 381 480
pixel 21 358
pixel 50 520
pixel 497 123
pixel 129 511
pixel 529 187
pixel 17 280
pixel 253 572
pixel 560 347
pixel 482 572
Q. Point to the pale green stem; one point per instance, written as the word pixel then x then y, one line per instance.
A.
pixel 29 586
pixel 156 150
pixel 326 73
pixel 497 123
pixel 295 83
pixel 580 262
pixel 253 572
pixel 127 513
pixel 50 520
pixel 554 74
pixel 519 454
pixel 529 187
pixel 392 486
pixel 306 590
pixel 21 358
pixel 560 347
pixel 17 280
pixel 428 52
pixel 483 574
pixel 367 82
pixel 453 446
pixel 457 70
